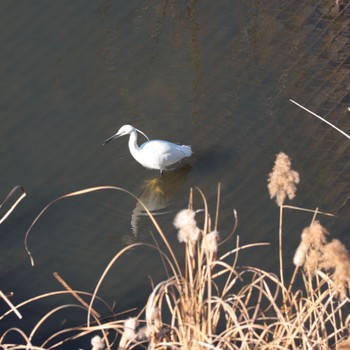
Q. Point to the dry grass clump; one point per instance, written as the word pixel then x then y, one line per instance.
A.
pixel 208 301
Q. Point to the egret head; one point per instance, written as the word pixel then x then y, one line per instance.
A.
pixel 124 130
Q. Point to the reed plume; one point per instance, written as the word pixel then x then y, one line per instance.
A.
pixel 316 253
pixel 310 250
pixel 336 259
pixel 282 180
pixel 281 183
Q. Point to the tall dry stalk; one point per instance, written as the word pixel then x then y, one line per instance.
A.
pixel 282 184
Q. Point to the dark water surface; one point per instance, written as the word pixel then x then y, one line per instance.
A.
pixel 215 75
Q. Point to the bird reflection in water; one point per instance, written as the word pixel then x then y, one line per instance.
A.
pixel 156 196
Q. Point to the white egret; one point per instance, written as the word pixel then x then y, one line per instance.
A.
pixel 153 154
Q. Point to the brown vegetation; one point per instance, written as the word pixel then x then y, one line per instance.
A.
pixel 209 302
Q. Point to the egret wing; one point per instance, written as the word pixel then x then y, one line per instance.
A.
pixel 160 154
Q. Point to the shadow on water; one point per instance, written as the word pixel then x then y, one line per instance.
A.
pixel 156 196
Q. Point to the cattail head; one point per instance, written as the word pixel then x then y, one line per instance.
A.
pixel 282 179
pixel 210 242
pixel 153 316
pixel 300 255
pixel 129 333
pixel 153 326
pixel 97 343
pixel 186 224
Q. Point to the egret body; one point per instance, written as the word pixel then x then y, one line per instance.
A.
pixel 153 154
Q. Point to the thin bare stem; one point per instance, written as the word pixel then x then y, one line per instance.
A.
pixel 307 210
pixel 217 207
pixel 15 204
pixel 324 120
pixel 75 295
pixel 233 228
pixel 280 244
pixel 8 302
pixel 293 279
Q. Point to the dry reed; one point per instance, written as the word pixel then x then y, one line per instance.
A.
pixel 281 184
pixel 215 303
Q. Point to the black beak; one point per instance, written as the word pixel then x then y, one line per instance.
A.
pixel 111 139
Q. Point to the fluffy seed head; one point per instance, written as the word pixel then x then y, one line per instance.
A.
pixel 300 255
pixel 129 333
pixel 310 250
pixel 315 235
pixel 184 218
pixel 337 258
pixel 186 224
pixel 210 242
pixel 282 179
pixel 97 343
